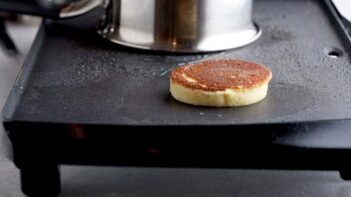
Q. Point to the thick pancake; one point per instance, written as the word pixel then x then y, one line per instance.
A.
pixel 219 75
pixel 220 83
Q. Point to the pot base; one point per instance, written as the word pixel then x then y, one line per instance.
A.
pixel 215 43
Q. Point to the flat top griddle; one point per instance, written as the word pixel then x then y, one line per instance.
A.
pixel 78 95
pixel 72 75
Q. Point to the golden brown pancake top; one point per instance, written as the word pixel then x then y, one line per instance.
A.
pixel 219 75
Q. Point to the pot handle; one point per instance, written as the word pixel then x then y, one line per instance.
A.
pixel 52 8
pixel 80 7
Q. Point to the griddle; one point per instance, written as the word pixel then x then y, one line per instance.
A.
pixel 80 99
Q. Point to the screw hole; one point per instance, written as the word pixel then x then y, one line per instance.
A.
pixel 333 53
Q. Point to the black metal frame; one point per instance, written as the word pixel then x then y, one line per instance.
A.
pixel 274 147
pixel 5 40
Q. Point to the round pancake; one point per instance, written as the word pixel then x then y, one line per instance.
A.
pixel 220 83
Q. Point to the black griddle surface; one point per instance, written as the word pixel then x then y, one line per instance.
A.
pixel 72 75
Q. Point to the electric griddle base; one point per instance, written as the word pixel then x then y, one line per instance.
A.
pixel 82 100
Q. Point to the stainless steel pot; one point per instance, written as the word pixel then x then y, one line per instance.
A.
pixel 172 25
pixel 181 25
